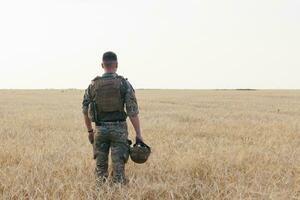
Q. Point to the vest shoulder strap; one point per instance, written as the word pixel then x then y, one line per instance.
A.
pixel 121 77
pixel 96 78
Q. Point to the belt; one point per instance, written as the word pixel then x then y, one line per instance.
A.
pixel 110 123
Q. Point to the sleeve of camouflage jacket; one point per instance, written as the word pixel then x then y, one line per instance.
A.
pixel 130 101
pixel 86 100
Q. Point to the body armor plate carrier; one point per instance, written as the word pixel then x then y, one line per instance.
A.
pixel 108 94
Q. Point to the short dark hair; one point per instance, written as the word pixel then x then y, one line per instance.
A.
pixel 109 56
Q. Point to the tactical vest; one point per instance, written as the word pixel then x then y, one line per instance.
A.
pixel 108 100
pixel 108 94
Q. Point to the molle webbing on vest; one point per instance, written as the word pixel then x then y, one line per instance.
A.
pixel 108 95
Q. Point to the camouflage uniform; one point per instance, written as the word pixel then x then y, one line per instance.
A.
pixel 111 132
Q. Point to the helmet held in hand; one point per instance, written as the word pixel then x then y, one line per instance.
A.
pixel 140 152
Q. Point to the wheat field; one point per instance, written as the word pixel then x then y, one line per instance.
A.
pixel 207 144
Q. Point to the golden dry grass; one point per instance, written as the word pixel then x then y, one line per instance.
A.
pixel 206 145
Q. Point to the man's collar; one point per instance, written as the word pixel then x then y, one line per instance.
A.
pixel 107 74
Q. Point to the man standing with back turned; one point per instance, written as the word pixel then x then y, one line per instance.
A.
pixel 103 103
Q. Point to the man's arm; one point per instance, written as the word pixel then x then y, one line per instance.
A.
pixel 89 127
pixel 85 104
pixel 87 122
pixel 133 110
pixel 135 121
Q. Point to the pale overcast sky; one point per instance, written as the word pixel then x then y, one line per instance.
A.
pixel 160 44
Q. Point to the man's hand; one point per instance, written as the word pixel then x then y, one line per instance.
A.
pixel 91 136
pixel 139 139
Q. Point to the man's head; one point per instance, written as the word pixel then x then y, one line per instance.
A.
pixel 109 62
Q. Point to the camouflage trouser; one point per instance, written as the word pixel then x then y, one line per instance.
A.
pixel 111 135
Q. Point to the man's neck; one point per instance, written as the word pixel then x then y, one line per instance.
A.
pixel 109 74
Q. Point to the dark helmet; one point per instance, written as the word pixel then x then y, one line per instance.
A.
pixel 140 152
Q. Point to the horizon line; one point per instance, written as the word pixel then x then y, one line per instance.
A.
pixel 241 89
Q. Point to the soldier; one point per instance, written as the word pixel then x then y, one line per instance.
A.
pixel 103 103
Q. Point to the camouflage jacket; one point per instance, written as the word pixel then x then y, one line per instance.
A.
pixel 128 94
